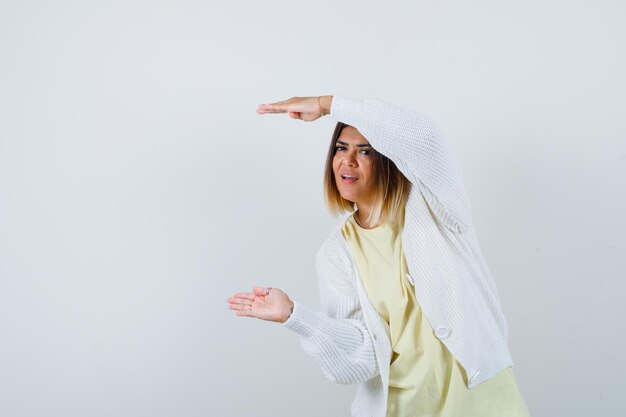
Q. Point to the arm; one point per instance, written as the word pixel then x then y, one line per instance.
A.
pixel 418 148
pixel 411 140
pixel 336 337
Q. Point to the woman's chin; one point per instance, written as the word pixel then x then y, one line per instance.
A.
pixel 350 197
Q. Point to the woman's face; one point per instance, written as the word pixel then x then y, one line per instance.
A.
pixel 352 166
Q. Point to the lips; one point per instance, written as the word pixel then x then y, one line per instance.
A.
pixel 348 178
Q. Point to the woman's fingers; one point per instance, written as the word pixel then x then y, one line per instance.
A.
pixel 240 301
pixel 294 106
pixel 235 306
pixel 246 295
pixel 269 109
pixel 246 307
pixel 247 302
pixel 280 107
pixel 260 291
pixel 246 313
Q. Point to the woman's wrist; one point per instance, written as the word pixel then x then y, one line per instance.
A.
pixel 325 103
pixel 288 311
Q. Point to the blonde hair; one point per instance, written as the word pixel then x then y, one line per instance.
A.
pixel 391 188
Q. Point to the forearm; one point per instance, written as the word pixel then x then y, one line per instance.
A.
pixel 342 347
pixel 417 147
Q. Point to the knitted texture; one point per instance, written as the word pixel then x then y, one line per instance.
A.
pixel 452 282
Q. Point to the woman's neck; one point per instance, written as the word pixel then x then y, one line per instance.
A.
pixel 361 215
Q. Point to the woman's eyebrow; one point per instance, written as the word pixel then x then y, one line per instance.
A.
pixel 358 146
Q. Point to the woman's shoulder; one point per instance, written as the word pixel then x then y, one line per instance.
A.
pixel 334 246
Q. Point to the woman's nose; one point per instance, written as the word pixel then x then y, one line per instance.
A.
pixel 349 159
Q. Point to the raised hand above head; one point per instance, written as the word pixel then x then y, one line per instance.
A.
pixel 302 108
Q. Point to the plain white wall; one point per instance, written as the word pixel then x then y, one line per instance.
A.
pixel 139 190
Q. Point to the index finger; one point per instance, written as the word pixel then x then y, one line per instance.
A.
pixel 246 295
pixel 279 107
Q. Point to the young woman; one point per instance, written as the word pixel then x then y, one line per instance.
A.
pixel 410 311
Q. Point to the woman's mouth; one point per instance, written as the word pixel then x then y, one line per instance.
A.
pixel 349 179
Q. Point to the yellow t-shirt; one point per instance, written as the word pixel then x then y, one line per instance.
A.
pixel 424 377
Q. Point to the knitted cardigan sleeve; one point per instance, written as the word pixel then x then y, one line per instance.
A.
pixel 418 148
pixel 336 337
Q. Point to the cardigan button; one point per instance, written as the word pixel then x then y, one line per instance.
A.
pixel 473 377
pixel 410 279
pixel 442 332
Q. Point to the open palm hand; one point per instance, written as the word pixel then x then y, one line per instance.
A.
pixel 275 306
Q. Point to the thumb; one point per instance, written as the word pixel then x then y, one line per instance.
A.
pixel 260 291
pixel 295 115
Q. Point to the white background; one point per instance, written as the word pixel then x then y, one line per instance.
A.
pixel 139 190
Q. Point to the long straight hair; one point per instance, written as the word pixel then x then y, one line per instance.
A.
pixel 390 187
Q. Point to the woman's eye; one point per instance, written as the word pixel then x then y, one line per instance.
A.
pixel 342 148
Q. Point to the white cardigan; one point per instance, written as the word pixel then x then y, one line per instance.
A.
pixel 452 282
